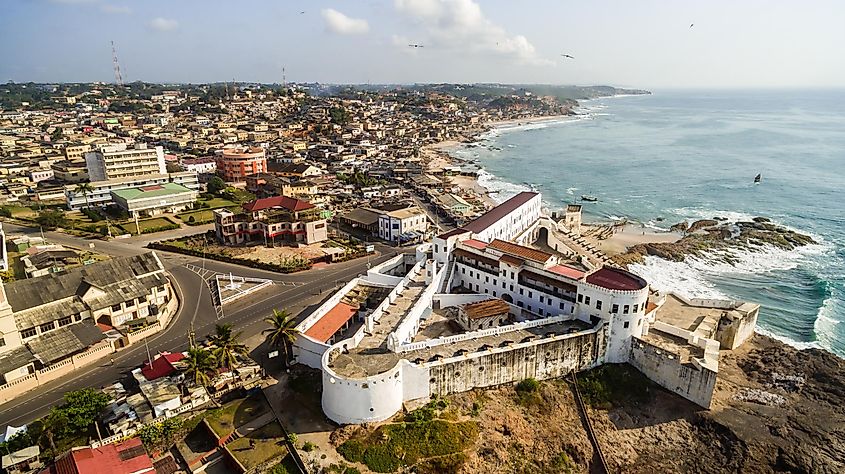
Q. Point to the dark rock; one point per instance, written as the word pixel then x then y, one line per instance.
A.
pixel 679 227
pixel 701 224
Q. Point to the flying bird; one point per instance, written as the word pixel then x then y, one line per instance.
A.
pixel 414 45
pixel 691 25
pixel 568 56
pixel 302 13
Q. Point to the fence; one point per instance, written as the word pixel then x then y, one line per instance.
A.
pixel 262 283
pixel 140 334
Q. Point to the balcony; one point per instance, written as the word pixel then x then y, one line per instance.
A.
pixel 556 292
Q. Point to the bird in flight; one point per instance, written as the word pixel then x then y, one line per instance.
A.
pixel 302 12
pixel 691 25
pixel 414 45
pixel 568 56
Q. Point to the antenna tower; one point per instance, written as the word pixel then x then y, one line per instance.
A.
pixel 117 77
pixel 284 79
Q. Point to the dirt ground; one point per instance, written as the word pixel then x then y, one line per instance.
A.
pixel 274 254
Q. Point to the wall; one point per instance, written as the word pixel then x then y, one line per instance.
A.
pixel 356 401
pixel 732 333
pixel 665 368
pixel 543 359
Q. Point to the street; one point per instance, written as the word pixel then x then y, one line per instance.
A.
pixel 246 315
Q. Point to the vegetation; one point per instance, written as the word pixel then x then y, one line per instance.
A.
pixel 308 446
pixel 528 392
pixel 51 219
pixel 215 185
pixel 613 384
pixel 288 466
pixel 149 226
pixel 359 179
pixel 339 115
pixel 161 435
pixel 84 189
pixel 235 413
pixel 201 364
pixel 226 345
pixel 282 332
pixel 259 446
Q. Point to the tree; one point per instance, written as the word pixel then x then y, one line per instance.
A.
pixel 282 332
pixel 215 185
pixel 339 115
pixel 82 407
pixel 226 345
pixel 54 425
pixel 84 189
pixel 201 364
pixel 51 219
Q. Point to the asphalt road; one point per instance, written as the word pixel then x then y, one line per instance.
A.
pixel 293 292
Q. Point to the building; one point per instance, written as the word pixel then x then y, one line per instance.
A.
pixel 296 170
pixel 101 194
pixel 125 457
pixel 203 165
pixel 154 199
pixel 48 319
pixel 496 311
pixel 120 162
pixel 272 220
pixel 70 171
pixel 402 225
pixel 235 164
pixel 453 203
pixel 76 152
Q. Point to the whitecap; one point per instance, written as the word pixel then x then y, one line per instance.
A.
pixel 571 190
pixel 500 190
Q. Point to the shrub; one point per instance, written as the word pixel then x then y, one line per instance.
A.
pixel 292 438
pixel 309 446
pixel 5 212
pixel 352 450
pixel 528 385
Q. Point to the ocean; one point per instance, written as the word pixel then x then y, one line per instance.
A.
pixel 687 155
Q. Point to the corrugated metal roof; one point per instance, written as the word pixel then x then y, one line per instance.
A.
pixel 65 341
pixel 519 251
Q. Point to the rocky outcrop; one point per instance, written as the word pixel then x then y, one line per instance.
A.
pixel 717 239
pixel 679 227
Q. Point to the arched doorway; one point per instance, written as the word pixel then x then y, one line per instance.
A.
pixel 507 298
pixel 543 236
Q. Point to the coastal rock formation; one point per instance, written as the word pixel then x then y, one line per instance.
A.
pixel 714 239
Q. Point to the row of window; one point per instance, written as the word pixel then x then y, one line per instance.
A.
pixel 47 327
pixel 613 309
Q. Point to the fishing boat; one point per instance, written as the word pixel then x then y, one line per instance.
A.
pixel 589 198
pixel 758 178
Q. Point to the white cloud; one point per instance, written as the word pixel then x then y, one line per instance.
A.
pixel 116 9
pixel 460 25
pixel 73 2
pixel 164 24
pixel 341 24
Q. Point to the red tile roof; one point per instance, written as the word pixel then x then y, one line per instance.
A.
pixel 566 271
pixel 486 308
pixel 284 202
pixel 324 329
pixel 476 244
pixel 515 261
pixel 519 251
pixel 162 365
pixel 616 279
pixel 127 457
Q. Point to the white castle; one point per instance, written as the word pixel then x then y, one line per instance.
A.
pixel 511 295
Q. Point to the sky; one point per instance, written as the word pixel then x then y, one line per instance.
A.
pixel 646 43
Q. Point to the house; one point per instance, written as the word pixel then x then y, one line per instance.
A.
pixel 483 314
pixel 295 170
pixel 126 457
pixel 279 218
pixel 402 224
pixel 154 199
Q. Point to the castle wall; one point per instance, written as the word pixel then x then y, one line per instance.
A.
pixel 693 382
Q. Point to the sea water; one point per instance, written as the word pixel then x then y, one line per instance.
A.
pixel 686 155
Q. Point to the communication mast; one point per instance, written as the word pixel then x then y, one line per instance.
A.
pixel 117 77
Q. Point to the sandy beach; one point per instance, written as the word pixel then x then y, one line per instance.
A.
pixel 626 236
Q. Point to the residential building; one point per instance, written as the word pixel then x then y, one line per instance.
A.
pixel 203 165
pixel 295 170
pixel 120 162
pixel 125 457
pixel 47 319
pixel 236 163
pixel 402 225
pixel 154 199
pixel 70 171
pixel 76 152
pixel 101 195
pixel 270 220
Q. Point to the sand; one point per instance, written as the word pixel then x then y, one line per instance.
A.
pixel 627 236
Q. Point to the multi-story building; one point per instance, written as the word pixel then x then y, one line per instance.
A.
pixel 235 164
pixel 402 224
pixel 119 162
pixel 203 165
pixel 75 152
pixel 68 171
pixel 47 319
pixel 271 220
pixel 101 194
pixel 154 199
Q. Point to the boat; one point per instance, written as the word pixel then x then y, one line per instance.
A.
pixel 758 178
pixel 589 198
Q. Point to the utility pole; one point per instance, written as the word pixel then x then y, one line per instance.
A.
pixel 149 357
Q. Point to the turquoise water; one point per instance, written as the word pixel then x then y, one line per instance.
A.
pixel 694 154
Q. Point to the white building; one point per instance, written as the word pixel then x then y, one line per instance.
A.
pixel 204 165
pixel 120 162
pixel 402 224
pixel 101 195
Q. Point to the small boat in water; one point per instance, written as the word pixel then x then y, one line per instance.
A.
pixel 758 178
pixel 589 198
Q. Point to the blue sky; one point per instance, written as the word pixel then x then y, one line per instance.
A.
pixel 649 43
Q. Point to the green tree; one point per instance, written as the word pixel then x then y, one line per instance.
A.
pixel 282 332
pixel 226 345
pixel 53 426
pixel 84 189
pixel 216 185
pixel 201 363
pixel 51 219
pixel 82 407
pixel 339 115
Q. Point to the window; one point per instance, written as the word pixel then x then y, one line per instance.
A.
pixel 511 275
pixel 626 324
pixel 463 271
pixel 494 293
pixel 587 300
pixel 486 279
pixel 561 305
pixel 64 321
pixel 614 309
pixel 476 287
pixel 161 289
pixel 494 282
pixel 580 298
pixel 541 298
pixel 529 307
pixel 519 303
pixel 530 295
pixel 540 310
pixel 639 321
pixel 2 342
pixel 598 304
pixel 115 307
pixel 436 249
pixel 31 332
pixel 520 291
pixel 470 273
pixel 48 326
pixel 511 287
pixel 625 309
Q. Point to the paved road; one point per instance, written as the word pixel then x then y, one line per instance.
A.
pixel 293 292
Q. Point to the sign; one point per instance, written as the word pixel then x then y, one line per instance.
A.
pixel 370 248
pixel 273 354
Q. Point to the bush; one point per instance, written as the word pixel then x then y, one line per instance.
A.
pixel 352 450
pixel 309 446
pixel 161 228
pixel 5 212
pixel 292 438
pixel 528 385
pixel 93 215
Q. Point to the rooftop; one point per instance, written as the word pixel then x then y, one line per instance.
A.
pixel 331 322
pixel 520 251
pixel 152 191
pixel 284 202
pixel 567 271
pixel 616 279
pixel 497 213
pixel 484 309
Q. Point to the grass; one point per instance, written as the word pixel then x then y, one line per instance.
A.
pixel 613 384
pixel 146 224
pixel 288 466
pixel 201 216
pixel 393 446
pixel 218 202
pixel 225 419
pixel 20 211
pixel 269 444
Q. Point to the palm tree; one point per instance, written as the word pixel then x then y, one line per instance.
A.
pixel 201 363
pixel 282 331
pixel 84 189
pixel 54 425
pixel 226 344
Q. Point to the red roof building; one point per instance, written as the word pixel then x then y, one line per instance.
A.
pixel 162 365
pixel 128 457
pixel 616 279
pixel 331 322
pixel 278 202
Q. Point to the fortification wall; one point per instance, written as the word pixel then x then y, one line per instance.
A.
pixel 693 382
pixel 543 359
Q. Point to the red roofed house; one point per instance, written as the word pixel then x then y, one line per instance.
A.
pixel 162 365
pixel 127 457
pixel 336 319
pixel 271 220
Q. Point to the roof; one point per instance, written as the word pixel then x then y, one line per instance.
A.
pixel 15 359
pixel 452 233
pixel 285 202
pixel 64 341
pixel 325 327
pixel 566 271
pixel 162 365
pixel 510 259
pixel 127 457
pixel 151 191
pixel 497 213
pixel 20 455
pixel 476 244
pixel 616 279
pixel 486 308
pixel 362 216
pixel 406 213
pixel 519 251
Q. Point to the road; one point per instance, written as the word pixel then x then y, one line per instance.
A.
pixel 293 292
